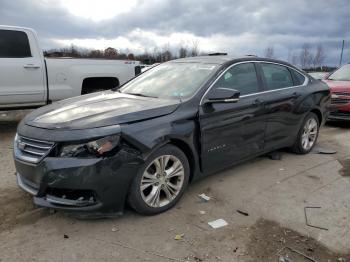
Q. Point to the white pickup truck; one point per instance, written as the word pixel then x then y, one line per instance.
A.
pixel 27 79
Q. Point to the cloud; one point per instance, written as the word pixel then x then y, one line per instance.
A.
pixel 238 27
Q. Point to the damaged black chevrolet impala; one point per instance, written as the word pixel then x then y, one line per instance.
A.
pixel 180 121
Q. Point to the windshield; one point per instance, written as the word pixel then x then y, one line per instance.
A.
pixel 342 74
pixel 170 80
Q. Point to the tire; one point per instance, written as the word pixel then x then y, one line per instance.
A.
pixel 156 189
pixel 307 137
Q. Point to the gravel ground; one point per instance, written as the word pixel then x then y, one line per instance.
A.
pixel 273 193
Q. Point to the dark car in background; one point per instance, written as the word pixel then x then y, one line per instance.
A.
pixel 339 84
pixel 171 125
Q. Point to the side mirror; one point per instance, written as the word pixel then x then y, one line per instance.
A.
pixel 223 95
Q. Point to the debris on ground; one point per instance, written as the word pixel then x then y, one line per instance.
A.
pixel 242 212
pixel 284 259
pixel 197 259
pixel 306 220
pixel 297 252
pixel 345 171
pixel 148 252
pixel 265 244
pixel 115 229
pixel 204 197
pixel 321 150
pixel 202 212
pixel 179 237
pixel 275 155
pixel 218 223
pixel 65 236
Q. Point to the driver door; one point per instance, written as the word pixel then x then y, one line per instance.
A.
pixel 231 132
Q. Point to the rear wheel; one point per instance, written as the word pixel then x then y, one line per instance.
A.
pixel 307 135
pixel 161 182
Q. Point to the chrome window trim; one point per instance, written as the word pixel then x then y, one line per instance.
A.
pixel 306 81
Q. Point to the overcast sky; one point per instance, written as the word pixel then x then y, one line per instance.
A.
pixel 237 27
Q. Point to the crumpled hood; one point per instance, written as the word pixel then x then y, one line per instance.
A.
pixel 338 86
pixel 99 109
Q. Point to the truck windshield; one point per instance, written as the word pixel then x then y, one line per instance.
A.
pixel 170 80
pixel 342 74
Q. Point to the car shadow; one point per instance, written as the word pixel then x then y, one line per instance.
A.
pixel 341 124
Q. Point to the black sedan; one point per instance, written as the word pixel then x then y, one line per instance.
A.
pixel 177 122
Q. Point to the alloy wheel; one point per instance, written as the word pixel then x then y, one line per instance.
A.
pixel 162 181
pixel 309 135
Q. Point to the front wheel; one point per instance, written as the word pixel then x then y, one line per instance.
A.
pixel 161 181
pixel 307 135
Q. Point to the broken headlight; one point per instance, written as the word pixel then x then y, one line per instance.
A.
pixel 97 148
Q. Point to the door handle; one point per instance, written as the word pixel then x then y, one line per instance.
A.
pixel 31 66
pixel 258 102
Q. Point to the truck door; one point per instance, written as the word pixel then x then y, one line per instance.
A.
pixel 22 72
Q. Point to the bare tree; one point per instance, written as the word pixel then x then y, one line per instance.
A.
pixel 319 57
pixel 195 48
pixel 269 52
pixel 183 51
pixel 294 59
pixel 166 54
pixel 306 56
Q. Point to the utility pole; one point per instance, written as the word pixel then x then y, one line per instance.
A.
pixel 341 54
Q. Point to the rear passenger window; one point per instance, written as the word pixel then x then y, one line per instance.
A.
pixel 14 44
pixel 276 76
pixel 241 77
pixel 299 79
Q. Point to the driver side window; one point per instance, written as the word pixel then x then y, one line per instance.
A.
pixel 241 77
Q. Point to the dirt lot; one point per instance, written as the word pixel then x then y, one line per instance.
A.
pixel 273 193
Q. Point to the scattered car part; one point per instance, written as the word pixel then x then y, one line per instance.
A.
pixel 306 220
pixel 218 223
pixel 242 212
pixel 321 150
pixel 297 252
pixel 204 197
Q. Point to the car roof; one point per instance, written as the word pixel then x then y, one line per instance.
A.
pixel 225 59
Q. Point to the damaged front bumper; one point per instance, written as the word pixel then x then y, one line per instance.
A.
pixel 81 185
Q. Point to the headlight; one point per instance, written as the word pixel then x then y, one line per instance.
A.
pixel 94 148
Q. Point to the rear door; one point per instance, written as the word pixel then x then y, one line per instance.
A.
pixel 231 132
pixel 22 79
pixel 283 92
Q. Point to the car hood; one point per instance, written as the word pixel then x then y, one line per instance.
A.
pixel 338 86
pixel 98 110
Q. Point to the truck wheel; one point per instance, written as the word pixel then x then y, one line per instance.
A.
pixel 161 181
pixel 307 135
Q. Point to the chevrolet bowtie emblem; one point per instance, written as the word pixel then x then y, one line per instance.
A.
pixel 21 145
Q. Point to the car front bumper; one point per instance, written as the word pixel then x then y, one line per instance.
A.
pixel 340 108
pixel 90 186
pixel 341 113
